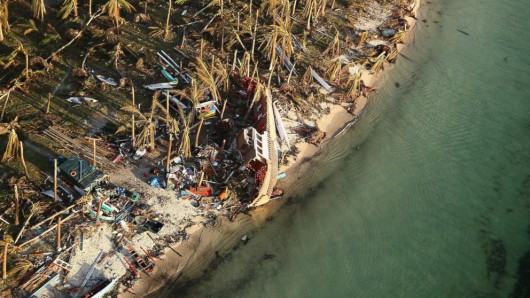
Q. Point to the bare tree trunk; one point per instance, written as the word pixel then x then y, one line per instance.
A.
pixel 98 214
pixel 49 102
pixel 5 105
pixel 23 160
pixel 98 13
pixel 59 233
pixel 198 133
pixel 16 206
pixel 133 124
pixel 168 160
pixel 166 30
pixel 94 152
pixel 223 110
pixel 55 198
pixel 4 263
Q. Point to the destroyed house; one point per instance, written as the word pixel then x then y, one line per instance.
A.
pixel 80 173
pixel 253 146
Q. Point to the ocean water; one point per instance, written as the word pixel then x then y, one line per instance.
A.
pixel 428 195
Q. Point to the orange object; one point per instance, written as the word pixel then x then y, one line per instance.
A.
pixel 223 195
pixel 202 191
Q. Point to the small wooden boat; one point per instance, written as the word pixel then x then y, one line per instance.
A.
pixel 109 81
pixel 80 100
pixel 160 86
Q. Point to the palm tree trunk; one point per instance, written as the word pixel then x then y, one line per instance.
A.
pixel 168 160
pixel 198 133
pixel 59 233
pixel 16 206
pixel 4 263
pixel 133 133
pixel 166 30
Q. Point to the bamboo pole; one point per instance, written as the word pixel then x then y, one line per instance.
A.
pixel 133 124
pixel 198 133
pixel 55 180
pixel 59 233
pixel 22 158
pixel 16 206
pixel 4 263
pixel 168 160
pixel 49 102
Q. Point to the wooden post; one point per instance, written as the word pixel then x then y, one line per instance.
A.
pixel 49 102
pixel 22 158
pixel 223 110
pixel 4 263
pixel 59 233
pixel 94 149
pixel 55 180
pixel 168 160
pixel 198 133
pixel 94 152
pixel 167 109
pixel 133 124
pixel 16 206
pixel 200 180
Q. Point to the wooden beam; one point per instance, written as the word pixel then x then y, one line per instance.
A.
pixel 59 233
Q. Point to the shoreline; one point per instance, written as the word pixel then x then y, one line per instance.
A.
pixel 189 258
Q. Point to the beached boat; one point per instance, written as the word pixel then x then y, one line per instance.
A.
pixel 160 86
pixel 80 100
pixel 109 81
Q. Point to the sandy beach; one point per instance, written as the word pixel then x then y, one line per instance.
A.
pixel 187 260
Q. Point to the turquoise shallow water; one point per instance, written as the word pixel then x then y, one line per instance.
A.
pixel 435 201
